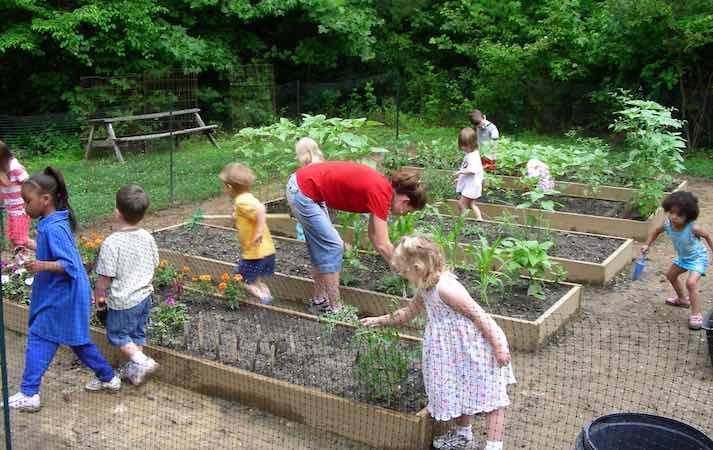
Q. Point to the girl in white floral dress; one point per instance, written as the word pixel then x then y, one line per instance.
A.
pixel 466 361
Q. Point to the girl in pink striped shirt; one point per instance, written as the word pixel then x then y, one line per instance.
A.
pixel 12 175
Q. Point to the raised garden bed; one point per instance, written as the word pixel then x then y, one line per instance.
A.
pixel 569 188
pixel 587 258
pixel 527 322
pixel 285 391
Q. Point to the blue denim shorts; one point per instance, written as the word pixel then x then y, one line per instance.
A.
pixel 252 269
pixel 323 241
pixel 126 326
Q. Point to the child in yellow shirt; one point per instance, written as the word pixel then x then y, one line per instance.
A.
pixel 257 259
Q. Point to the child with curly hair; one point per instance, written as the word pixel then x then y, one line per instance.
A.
pixel 691 254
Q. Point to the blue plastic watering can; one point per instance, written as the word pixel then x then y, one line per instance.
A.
pixel 639 266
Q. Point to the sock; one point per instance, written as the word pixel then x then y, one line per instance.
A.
pixel 139 358
pixel 466 432
pixel 492 445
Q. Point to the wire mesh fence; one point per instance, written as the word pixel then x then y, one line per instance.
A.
pixel 270 377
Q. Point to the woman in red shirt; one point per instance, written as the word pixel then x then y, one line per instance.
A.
pixel 346 186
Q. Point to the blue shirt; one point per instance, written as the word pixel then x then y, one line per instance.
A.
pixel 691 253
pixel 60 302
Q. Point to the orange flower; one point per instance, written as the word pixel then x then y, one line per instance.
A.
pixel 237 278
pixel 98 241
pixel 195 278
pixel 223 286
pixel 205 278
pixel 90 245
pixel 185 269
pixel 225 277
pixel 163 264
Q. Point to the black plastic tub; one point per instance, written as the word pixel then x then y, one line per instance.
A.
pixel 633 431
pixel 708 326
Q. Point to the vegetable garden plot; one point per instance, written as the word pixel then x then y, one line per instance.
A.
pixel 376 426
pixel 526 321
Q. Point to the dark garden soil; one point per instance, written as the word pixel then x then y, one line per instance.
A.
pixel 579 247
pixel 288 348
pixel 373 273
pixel 563 203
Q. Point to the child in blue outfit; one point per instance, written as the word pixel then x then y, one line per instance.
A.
pixel 60 299
pixel 692 257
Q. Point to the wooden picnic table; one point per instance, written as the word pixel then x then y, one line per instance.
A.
pixel 113 141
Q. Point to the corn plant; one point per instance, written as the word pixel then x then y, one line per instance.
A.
pixel 486 256
pixel 448 240
pixel 402 226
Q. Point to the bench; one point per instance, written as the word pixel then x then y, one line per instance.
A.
pixel 112 141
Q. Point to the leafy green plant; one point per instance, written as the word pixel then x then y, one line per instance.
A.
pixel 530 257
pixel 486 256
pixel 167 317
pixel 439 187
pixel 348 314
pixel 16 283
pixel 394 285
pixel 232 290
pixel 351 266
pixel 402 226
pixel 196 220
pixel 538 198
pixel 382 363
pixel 655 148
pixel 448 240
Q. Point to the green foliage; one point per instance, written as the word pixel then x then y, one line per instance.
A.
pixel 485 257
pixel 655 149
pixel 348 314
pixel 402 226
pixel 538 198
pixel 382 362
pixel 16 283
pixel 448 240
pixel 394 285
pixel 270 149
pixel 167 317
pixel 531 257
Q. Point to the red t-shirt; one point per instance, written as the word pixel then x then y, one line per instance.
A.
pixel 347 186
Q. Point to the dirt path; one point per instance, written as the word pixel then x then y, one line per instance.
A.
pixel 628 352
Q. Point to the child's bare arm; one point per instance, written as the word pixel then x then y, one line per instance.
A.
pixel 457 297
pixel 260 224
pixel 652 237
pixel 703 234
pixel 399 317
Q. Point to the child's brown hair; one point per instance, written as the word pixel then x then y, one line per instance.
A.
pixel 132 202
pixel 238 176
pixel 467 139
pixel 422 255
pixel 476 116
pixel 5 157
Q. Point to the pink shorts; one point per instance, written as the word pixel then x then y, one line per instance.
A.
pixel 18 228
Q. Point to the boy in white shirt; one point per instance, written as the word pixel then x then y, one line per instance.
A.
pixel 125 268
pixel 487 141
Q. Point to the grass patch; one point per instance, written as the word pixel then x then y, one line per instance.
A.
pixel 699 164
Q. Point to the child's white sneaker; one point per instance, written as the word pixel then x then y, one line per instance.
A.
pixel 137 373
pixel 22 402
pixel 98 385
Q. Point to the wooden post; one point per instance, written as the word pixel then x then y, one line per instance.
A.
pixel 112 138
pixel 208 133
pixel 88 147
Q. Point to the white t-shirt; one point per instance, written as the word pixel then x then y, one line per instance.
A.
pixel 130 258
pixel 470 183
pixel 486 135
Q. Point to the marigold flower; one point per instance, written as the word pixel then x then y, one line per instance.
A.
pixel 237 278
pixel 90 246
pixel 223 286
pixel 205 278
pixel 163 264
pixel 98 241
pixel 225 277
pixel 185 269
pixel 195 278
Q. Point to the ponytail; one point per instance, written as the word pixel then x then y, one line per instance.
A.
pixel 51 182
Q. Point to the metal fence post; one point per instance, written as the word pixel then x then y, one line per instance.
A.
pixel 398 101
pixel 3 353
pixel 173 149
